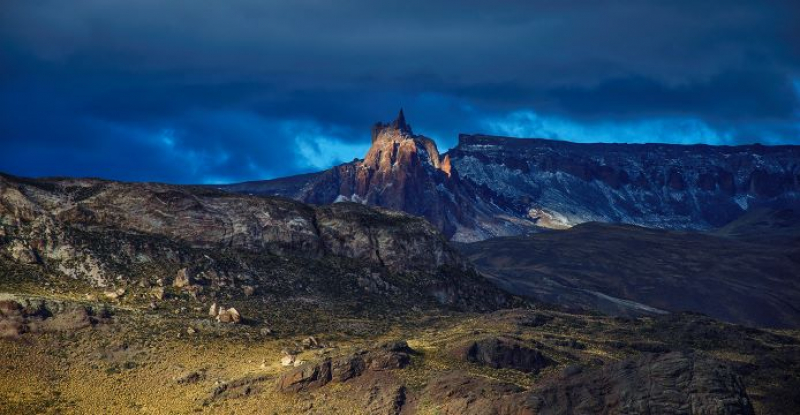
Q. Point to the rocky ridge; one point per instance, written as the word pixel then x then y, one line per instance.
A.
pixel 119 236
pixel 491 186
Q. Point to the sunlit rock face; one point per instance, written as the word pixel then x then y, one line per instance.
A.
pixel 401 171
pixel 404 171
pixel 490 186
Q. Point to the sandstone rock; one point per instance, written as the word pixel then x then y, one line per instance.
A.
pixel 248 290
pixel 213 311
pixel 236 318
pixel 10 307
pixel 306 377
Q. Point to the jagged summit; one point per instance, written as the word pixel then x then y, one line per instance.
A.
pixel 399 125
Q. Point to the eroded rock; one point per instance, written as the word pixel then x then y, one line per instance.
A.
pixel 341 369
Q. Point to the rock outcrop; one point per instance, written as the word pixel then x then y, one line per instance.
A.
pixel 502 353
pixel 672 383
pixel 341 369
pixel 111 235
pixel 206 218
pixel 19 315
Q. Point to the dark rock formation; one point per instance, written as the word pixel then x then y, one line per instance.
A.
pixel 653 185
pixel 19 315
pixel 502 353
pixel 314 375
pixel 673 383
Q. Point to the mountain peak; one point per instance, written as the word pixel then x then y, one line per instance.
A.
pixel 399 124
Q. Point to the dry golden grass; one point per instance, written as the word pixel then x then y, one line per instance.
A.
pixel 130 365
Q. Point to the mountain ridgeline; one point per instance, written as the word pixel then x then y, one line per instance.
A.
pixel 491 186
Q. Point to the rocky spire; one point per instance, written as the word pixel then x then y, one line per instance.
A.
pixel 399 124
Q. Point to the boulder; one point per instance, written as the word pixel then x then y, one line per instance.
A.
pixel 115 295
pixel 288 360
pixel 310 343
pixel 183 278
pixel 230 315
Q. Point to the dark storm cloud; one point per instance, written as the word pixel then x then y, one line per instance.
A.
pixel 190 91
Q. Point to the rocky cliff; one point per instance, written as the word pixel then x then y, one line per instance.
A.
pixel 560 184
pixel 498 186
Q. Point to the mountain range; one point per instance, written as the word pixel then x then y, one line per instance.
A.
pixel 489 186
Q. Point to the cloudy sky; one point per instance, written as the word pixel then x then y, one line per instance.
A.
pixel 209 91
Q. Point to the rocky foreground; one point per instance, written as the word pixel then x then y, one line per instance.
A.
pixel 506 362
pixel 149 298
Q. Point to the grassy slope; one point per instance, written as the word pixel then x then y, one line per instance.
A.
pixel 129 365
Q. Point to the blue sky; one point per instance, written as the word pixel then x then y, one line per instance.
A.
pixel 212 92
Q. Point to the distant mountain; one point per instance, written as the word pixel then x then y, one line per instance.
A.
pixel 498 186
pixel 748 272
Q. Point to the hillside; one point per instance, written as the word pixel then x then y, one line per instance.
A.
pixel 627 270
